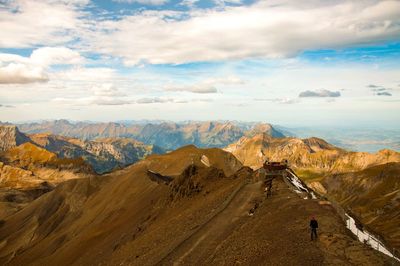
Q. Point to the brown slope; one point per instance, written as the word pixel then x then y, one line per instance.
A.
pixel 275 235
pixel 28 171
pixel 175 162
pixel 372 195
pixel 104 211
pixel 125 218
pixel 31 156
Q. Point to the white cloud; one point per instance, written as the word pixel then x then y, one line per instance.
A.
pixel 6 106
pixel 15 69
pixel 229 80
pixel 108 90
pixel 47 56
pixel 92 75
pixel 189 3
pixel 25 23
pixel 196 88
pixel 206 86
pixel 153 100
pixel 70 2
pixel 169 100
pixel 103 94
pixel 222 3
pixel 143 2
pixel 260 30
pixel 17 73
pixel 384 93
pixel 279 100
pixel 319 93
pixel 92 100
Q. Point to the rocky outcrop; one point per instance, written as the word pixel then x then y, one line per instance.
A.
pixel 110 153
pixel 11 137
pixel 308 154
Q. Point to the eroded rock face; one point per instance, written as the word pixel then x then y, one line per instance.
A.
pixel 103 154
pixel 11 137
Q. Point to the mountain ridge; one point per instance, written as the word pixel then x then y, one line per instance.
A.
pixel 305 154
pixel 103 154
pixel 168 135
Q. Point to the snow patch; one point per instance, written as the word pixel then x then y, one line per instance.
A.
pixel 296 182
pixel 367 238
pixel 204 159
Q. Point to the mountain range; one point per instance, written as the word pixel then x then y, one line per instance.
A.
pixel 190 205
pixel 102 154
pixel 168 135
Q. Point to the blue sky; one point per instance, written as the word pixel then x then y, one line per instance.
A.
pixel 286 62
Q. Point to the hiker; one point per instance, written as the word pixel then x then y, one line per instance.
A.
pixel 268 188
pixel 313 227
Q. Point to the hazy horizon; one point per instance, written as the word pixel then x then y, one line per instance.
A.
pixel 356 138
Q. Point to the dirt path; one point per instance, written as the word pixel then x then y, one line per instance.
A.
pixel 203 244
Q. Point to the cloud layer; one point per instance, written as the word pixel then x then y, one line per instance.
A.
pixel 144 2
pixel 276 29
pixel 25 23
pixel 380 90
pixel 319 93
pixel 284 30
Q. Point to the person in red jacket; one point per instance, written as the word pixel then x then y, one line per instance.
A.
pixel 313 227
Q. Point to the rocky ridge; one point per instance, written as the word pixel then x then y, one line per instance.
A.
pixel 168 135
pixel 312 154
pixel 103 154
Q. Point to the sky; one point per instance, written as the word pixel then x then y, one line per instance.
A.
pixel 289 62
